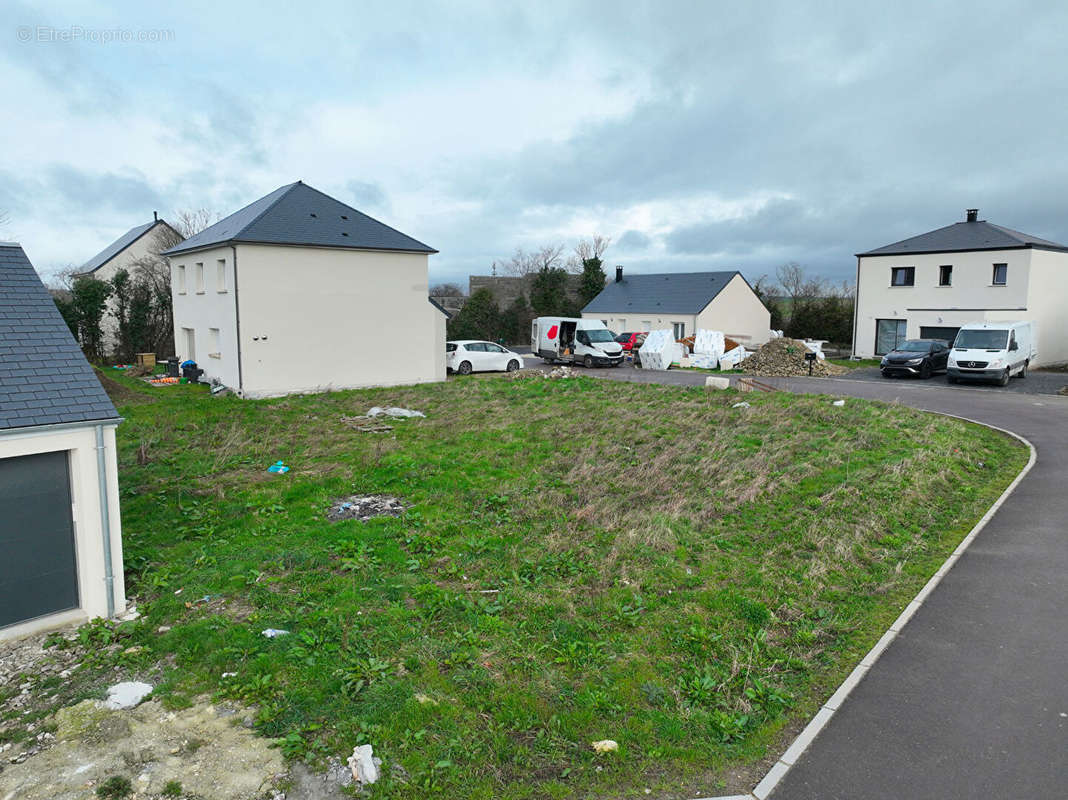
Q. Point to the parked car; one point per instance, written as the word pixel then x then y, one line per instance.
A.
pixel 992 351
pixel 920 357
pixel 627 340
pixel 467 356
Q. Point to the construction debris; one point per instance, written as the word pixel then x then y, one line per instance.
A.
pixel 366 425
pixel 786 358
pixel 395 412
pixel 605 746
pixel 717 383
pixel 364 765
pixel 364 508
pixel 559 372
pixel 127 694
pixel 733 357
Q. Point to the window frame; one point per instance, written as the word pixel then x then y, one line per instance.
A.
pixel 1004 275
pixel 910 272
pixel 220 276
pixel 199 276
pixel 180 278
pixel 679 330
pixel 945 274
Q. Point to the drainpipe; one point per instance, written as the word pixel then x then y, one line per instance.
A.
pixel 237 330
pixel 105 518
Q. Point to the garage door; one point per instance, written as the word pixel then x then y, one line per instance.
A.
pixel 947 335
pixel 37 568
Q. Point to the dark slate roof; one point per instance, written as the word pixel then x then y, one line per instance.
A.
pixel 44 378
pixel 962 236
pixel 673 292
pixel 120 244
pixel 297 214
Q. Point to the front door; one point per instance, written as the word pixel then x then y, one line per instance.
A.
pixel 38 571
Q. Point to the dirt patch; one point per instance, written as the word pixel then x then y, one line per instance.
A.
pixel 122 395
pixel 365 507
pixel 207 748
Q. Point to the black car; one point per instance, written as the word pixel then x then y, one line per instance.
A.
pixel 922 357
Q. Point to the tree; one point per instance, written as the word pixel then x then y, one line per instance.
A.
pixel 805 306
pixel 480 318
pixel 594 247
pixel 191 221
pixel 764 290
pixel 446 290
pixel 522 263
pixel 84 313
pixel 591 283
pixel 548 294
pixel 515 321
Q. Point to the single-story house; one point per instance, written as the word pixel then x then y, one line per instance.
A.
pixel 299 292
pixel 683 301
pixel 136 247
pixel 927 286
pixel 60 531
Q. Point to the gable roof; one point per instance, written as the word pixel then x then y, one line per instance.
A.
pixel 120 244
pixel 44 378
pixel 440 307
pixel 297 214
pixel 673 292
pixel 962 236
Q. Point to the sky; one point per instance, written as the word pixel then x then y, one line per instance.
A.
pixel 697 135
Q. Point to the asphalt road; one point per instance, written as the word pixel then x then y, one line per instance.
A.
pixel 971 699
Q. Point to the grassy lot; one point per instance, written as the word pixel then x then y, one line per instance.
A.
pixel 581 560
pixel 845 362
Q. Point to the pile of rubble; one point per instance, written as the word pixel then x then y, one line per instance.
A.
pixel 786 358
pixel 364 508
pixel 559 372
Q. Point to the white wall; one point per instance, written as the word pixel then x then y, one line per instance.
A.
pixel 440 335
pixel 314 319
pixel 971 298
pixel 203 311
pixel 658 320
pixel 738 312
pixel 80 444
pixel 1047 304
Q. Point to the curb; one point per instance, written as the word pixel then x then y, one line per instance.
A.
pixel 779 769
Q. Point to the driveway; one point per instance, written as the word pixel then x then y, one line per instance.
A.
pixel 971 699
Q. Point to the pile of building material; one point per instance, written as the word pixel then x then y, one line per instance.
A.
pixel 733 357
pixel 660 350
pixel 786 357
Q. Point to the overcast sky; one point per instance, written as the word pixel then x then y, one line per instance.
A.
pixel 698 135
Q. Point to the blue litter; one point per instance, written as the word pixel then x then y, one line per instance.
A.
pixel 278 467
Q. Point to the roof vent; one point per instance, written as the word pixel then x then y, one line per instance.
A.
pixel 973 215
pixel 344 234
pixel 344 217
pixel 315 216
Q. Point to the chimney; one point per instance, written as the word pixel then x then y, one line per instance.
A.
pixel 619 274
pixel 155 216
pixel 973 215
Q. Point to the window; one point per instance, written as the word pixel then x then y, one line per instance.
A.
pixel 190 344
pixel 680 329
pixel 1001 274
pixel 220 275
pixel 200 277
pixel 493 348
pixel 647 326
pixel 213 343
pixel 475 347
pixel 945 275
pixel 889 333
pixel 179 278
pixel 903 276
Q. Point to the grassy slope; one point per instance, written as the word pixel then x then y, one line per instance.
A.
pixel 666 571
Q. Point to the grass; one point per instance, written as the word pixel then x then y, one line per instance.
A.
pixel 581 560
pixel 851 364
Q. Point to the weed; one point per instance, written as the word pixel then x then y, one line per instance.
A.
pixel 115 788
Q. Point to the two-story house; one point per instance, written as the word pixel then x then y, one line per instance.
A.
pixel 298 292
pixel 927 286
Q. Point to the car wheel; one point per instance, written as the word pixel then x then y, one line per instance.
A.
pixel 925 370
pixel 464 368
pixel 513 365
pixel 1004 379
pixel 587 362
pixel 885 374
pixel 1023 371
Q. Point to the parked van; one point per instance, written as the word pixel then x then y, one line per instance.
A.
pixel 575 341
pixel 992 351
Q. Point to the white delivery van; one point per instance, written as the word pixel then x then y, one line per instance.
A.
pixel 992 351
pixel 575 341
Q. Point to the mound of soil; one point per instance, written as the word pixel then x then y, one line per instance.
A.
pixel 786 358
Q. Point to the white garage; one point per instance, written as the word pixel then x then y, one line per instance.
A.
pixel 60 532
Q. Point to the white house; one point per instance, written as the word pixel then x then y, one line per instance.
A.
pixel 928 286
pixel 60 532
pixel 135 247
pixel 299 292
pixel 683 301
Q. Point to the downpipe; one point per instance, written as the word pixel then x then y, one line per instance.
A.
pixel 105 518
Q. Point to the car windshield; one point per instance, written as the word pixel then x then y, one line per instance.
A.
pixel 915 346
pixel 600 335
pixel 981 339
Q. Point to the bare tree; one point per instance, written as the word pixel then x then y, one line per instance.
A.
pixel 522 263
pixel 191 221
pixel 446 290
pixel 588 249
pixel 796 285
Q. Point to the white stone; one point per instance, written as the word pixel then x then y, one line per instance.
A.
pixel 713 382
pixel 127 694
pixel 363 766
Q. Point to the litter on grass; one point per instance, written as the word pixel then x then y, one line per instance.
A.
pixel 278 467
pixel 838 403
pixel 127 694
pixel 743 404
pixel 364 765
pixel 395 412
pixel 274 633
pixel 365 507
pixel 605 746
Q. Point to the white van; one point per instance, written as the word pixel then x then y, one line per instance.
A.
pixel 575 341
pixel 992 351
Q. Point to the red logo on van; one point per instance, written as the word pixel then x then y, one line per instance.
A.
pixel 552 333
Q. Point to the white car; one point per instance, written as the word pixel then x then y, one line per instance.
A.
pixel 467 356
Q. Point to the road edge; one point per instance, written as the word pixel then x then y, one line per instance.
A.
pixel 827 711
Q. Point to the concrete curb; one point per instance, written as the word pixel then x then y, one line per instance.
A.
pixel 779 769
